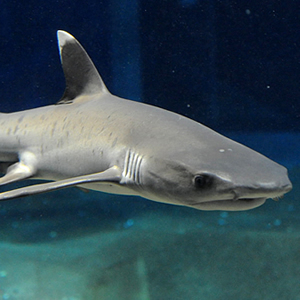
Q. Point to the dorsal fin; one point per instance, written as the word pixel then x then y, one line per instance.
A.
pixel 82 78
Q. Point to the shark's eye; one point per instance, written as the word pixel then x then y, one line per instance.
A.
pixel 203 181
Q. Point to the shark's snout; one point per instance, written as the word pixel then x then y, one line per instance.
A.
pixel 286 188
pixel 271 181
pixel 262 190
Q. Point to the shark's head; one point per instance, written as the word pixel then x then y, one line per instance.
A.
pixel 218 175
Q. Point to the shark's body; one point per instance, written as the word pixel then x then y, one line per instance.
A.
pixel 99 141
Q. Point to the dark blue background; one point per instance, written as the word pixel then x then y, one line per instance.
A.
pixel 228 64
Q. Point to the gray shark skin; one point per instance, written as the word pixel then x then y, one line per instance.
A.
pixel 95 140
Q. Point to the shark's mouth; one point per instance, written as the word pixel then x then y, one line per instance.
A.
pixel 230 204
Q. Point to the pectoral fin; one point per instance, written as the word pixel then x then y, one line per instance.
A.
pixel 16 172
pixel 112 174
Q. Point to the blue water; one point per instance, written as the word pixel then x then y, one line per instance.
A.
pixel 231 65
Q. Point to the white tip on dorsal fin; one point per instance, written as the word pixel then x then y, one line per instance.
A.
pixel 82 78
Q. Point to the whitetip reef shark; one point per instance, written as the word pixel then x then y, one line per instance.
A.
pixel 95 140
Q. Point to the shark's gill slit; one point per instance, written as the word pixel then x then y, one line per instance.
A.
pixel 137 178
pixel 132 166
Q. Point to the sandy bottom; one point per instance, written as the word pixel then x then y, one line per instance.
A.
pixel 142 263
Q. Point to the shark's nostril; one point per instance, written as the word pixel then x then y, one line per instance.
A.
pixel 236 196
pixel 287 187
